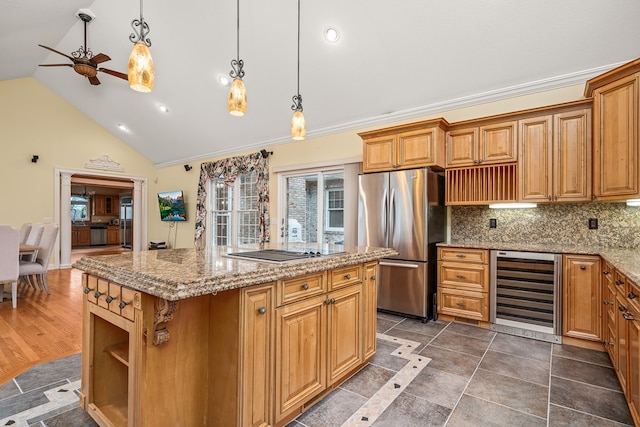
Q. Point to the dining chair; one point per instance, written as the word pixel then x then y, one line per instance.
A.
pixel 34 238
pixel 35 272
pixel 9 253
pixel 24 232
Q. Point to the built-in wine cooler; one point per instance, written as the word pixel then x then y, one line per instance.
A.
pixel 526 294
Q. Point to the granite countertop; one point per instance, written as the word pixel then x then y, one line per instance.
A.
pixel 625 260
pixel 175 274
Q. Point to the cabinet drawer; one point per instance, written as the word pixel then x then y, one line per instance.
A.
pixel 462 254
pixel 90 287
pixel 298 288
pixel 473 277
pixel 129 301
pixel 346 276
pixel 467 304
pixel 115 294
pixel 102 293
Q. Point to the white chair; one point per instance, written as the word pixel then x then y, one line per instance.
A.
pixel 32 272
pixel 34 237
pixel 9 253
pixel 24 232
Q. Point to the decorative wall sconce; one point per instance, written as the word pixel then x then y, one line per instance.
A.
pixel 187 168
pixel 34 158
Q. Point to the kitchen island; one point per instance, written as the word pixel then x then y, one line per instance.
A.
pixel 195 337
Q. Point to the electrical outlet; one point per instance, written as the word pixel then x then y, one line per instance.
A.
pixel 593 223
pixel 493 223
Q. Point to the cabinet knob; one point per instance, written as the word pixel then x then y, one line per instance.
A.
pixel 373 277
pixel 87 290
pixel 605 272
pixel 109 299
pixel 123 304
pixel 262 310
pixel 461 255
pixel 583 267
pixel 549 198
pixel 460 304
pixel 622 307
pixel 347 276
pixel 627 316
pixel 460 276
pixel 97 294
pixel 631 295
pixel 327 301
pixel 305 286
pixel 619 282
pixel 333 300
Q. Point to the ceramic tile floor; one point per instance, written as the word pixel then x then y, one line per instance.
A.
pixel 424 374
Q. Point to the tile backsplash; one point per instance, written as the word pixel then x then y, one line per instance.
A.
pixel 618 224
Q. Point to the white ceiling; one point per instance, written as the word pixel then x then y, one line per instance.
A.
pixel 395 60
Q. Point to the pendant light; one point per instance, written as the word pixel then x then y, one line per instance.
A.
pixel 298 125
pixel 140 71
pixel 237 94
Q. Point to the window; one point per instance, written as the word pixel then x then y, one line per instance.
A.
pixel 79 208
pixel 234 212
pixel 334 205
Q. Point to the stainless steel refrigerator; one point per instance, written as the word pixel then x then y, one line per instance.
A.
pixel 126 222
pixel 404 210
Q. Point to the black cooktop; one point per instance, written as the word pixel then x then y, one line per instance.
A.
pixel 280 255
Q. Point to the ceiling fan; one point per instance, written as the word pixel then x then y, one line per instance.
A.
pixel 84 62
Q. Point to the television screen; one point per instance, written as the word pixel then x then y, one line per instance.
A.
pixel 172 206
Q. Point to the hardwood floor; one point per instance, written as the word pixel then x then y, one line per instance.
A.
pixel 44 327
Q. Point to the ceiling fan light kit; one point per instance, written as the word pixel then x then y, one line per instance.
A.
pixel 237 102
pixel 298 124
pixel 141 73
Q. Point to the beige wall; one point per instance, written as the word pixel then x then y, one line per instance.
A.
pixel 35 120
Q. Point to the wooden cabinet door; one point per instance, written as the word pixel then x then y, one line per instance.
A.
pixel 113 235
pixel 417 148
pixel 300 354
pixel 370 309
pixel 344 324
pixel 379 154
pixel 615 139
pixel 633 379
pixel 621 341
pixel 498 143
pixel 84 236
pixel 98 204
pixel 462 147
pixel 256 356
pixel 572 156
pixel 535 166
pixel 582 297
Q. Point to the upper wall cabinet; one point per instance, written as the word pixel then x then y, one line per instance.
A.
pixel 404 147
pixel 615 132
pixel 555 155
pixel 470 144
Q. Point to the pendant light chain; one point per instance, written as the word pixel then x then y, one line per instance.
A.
pixel 238 30
pixel 299 49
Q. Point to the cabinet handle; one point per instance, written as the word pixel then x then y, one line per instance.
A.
pixel 109 299
pixel 123 304
pixel 607 302
pixel 605 272
pixel 460 276
pixel 262 310
pixel 549 198
pixel 619 282
pixel 627 316
pixel 555 198
pixel 87 290
pixel 583 267
pixel 97 294
pixel 631 295
pixel 622 307
pixel 305 286
pixel 461 255
pixel 460 304
pixel 373 277
pixel 347 276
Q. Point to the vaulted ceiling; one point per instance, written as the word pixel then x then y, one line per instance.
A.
pixel 394 60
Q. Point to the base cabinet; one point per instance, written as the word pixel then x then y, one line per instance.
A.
pixel 582 297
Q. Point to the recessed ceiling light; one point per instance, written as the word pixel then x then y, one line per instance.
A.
pixel 163 108
pixel 224 80
pixel 123 127
pixel 331 35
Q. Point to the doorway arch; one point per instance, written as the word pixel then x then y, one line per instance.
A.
pixel 63 180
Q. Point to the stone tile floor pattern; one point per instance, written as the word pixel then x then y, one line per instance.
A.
pixel 424 374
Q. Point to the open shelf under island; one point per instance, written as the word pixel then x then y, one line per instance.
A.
pixel 196 337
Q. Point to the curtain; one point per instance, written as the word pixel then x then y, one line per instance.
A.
pixel 229 169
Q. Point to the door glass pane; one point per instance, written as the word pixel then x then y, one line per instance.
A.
pixel 301 222
pixel 333 231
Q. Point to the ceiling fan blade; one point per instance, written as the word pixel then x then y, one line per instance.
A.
pixel 56 51
pixel 123 76
pixel 94 81
pixel 99 58
pixel 56 65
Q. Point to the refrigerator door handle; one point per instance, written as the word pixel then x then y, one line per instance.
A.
pixel 385 219
pixel 392 219
pixel 397 264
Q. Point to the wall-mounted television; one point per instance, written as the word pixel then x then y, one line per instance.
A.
pixel 171 205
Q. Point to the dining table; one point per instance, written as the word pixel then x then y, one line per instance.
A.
pixel 31 250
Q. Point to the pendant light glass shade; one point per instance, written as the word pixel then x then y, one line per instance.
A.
pixel 298 126
pixel 237 98
pixel 140 71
